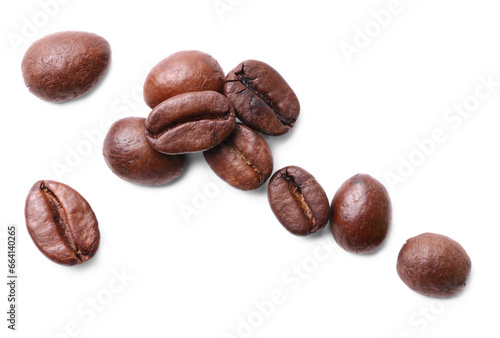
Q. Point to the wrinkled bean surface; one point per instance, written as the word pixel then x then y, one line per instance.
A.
pixel 298 201
pixel 262 99
pixel 190 122
pixel 243 160
pixel 61 223
pixel 65 65
pixel 433 265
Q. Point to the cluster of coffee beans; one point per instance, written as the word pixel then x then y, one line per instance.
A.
pixel 194 109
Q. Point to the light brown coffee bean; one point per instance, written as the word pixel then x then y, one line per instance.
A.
pixel 433 265
pixel 65 65
pixel 182 72
pixel 129 155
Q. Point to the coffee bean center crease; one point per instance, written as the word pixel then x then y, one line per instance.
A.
pixel 61 221
pixel 245 159
pixel 301 200
pixel 170 126
pixel 248 83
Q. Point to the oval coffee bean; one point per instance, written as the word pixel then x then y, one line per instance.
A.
pixel 129 155
pixel 65 65
pixel 61 223
pixel 433 265
pixel 190 122
pixel 243 160
pixel 182 72
pixel 261 98
pixel 361 214
pixel 298 201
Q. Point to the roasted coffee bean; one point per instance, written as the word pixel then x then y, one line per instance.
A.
pixel 261 98
pixel 65 65
pixel 433 265
pixel 361 214
pixel 298 201
pixel 190 122
pixel 129 155
pixel 182 72
pixel 61 223
pixel 243 160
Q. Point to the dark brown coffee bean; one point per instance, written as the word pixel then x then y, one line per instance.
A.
pixel 61 223
pixel 65 65
pixel 182 72
pixel 298 201
pixel 243 160
pixel 261 98
pixel 433 265
pixel 129 155
pixel 361 214
pixel 190 122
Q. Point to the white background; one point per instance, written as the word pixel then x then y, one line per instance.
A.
pixel 197 275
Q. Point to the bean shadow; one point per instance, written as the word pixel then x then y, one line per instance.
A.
pixel 321 234
pixel 381 247
pixel 191 161
pixel 90 263
pixel 276 141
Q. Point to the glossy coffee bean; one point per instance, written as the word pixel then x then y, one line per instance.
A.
pixel 65 65
pixel 61 223
pixel 433 265
pixel 298 201
pixel 361 214
pixel 190 122
pixel 262 99
pixel 129 155
pixel 182 72
pixel 243 160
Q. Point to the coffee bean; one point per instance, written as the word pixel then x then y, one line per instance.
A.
pixel 129 155
pixel 65 65
pixel 243 160
pixel 261 98
pixel 190 122
pixel 361 214
pixel 61 223
pixel 433 265
pixel 298 201
pixel 182 72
